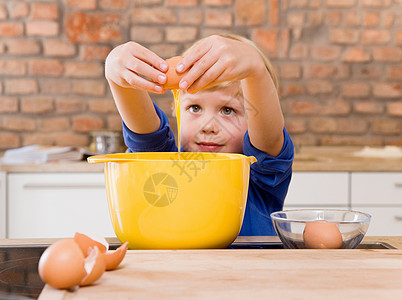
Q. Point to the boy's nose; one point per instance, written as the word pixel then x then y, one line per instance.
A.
pixel 211 126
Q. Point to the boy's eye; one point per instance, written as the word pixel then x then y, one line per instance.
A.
pixel 194 108
pixel 227 111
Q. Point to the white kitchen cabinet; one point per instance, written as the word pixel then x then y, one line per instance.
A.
pixel 379 194
pixel 3 215
pixel 318 190
pixel 53 205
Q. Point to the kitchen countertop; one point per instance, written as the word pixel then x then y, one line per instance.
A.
pixel 307 159
pixel 240 274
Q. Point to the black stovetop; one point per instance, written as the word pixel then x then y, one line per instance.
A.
pixel 19 278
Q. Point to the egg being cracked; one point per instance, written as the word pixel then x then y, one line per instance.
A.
pixel 321 234
pixel 173 78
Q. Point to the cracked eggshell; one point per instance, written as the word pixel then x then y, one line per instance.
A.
pixel 173 78
pixel 114 258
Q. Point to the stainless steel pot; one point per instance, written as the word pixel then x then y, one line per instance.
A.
pixel 104 141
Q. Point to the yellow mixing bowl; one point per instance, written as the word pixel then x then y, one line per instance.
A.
pixel 158 200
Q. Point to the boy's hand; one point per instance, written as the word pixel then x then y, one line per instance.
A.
pixel 133 66
pixel 217 59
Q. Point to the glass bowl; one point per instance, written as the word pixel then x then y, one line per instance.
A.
pixel 320 228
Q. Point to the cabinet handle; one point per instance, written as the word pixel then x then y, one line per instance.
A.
pixel 398 218
pixel 63 186
pixel 398 184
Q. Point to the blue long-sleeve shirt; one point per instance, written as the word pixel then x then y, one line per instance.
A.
pixel 269 176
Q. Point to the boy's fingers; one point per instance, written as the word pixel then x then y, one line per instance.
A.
pixel 198 70
pixel 208 79
pixel 147 56
pixel 193 56
pixel 133 80
pixel 143 69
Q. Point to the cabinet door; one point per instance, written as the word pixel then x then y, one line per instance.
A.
pixel 385 221
pixel 318 190
pixel 47 205
pixel 3 205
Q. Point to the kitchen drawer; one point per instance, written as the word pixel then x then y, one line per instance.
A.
pixel 53 205
pixel 318 190
pixel 376 188
pixel 385 221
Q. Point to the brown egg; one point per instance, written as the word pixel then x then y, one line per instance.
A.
pixel 173 78
pixel 114 258
pixel 95 266
pixel 62 265
pixel 322 235
pixel 85 242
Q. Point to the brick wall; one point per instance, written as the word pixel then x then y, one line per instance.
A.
pixel 339 62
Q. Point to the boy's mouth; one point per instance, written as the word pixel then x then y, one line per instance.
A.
pixel 209 147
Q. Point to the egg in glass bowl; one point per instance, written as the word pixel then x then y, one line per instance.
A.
pixel 320 228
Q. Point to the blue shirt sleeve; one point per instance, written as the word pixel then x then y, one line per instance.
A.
pixel 161 140
pixel 269 182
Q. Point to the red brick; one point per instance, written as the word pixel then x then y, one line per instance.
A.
pixel 375 37
pixel 357 55
pixel 82 4
pixel 165 50
pixel 319 71
pixel 344 36
pixel 103 106
pixel 87 123
pixel 394 109
pixel 291 71
pixel 11 29
pixel 296 19
pixel 303 108
pixel 53 124
pixel 284 42
pixel 250 12
pixel 371 19
pixel 114 123
pixel 336 107
pixel 153 16
pixel 355 89
pixel 181 34
pixel 71 139
pixel 340 3
pixel 190 17
pixel 17 123
pixel 298 51
pixel 388 54
pixel 386 127
pixel 351 126
pixel 44 11
pixel 22 47
pixel 42 28
pixel 334 18
pixel 38 138
pixel 55 86
pixel 298 3
pixel 350 140
pixel 20 86
pixel 218 18
pixel 19 10
pixel 295 125
pixel 376 3
pixel 387 90
pixel 323 125
pixel 315 19
pixel 342 72
pixel 46 67
pixel 89 87
pixel 146 34
pixel 218 2
pixel 273 12
pixel 181 3
pixel 114 4
pixel 367 72
pixel 2 47
pixel 94 52
pixel 3 12
pixel 60 48
pixel 368 107
pixel 394 73
pixel 9 140
pixel 389 20
pixel 352 19
pixel 399 38
pixel 325 53
pixel 82 27
pixel 267 40
pixel 12 67
pixel 70 105
pixel 83 69
pixel 393 141
pixel 37 105
pixel 291 89
pixel 205 32
pixel 8 105
pixel 316 87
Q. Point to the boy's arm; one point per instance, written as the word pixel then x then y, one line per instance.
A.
pixel 132 71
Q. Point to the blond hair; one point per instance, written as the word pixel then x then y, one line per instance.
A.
pixel 239 38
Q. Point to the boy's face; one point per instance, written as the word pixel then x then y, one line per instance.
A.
pixel 213 121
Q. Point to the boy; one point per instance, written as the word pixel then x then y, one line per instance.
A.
pixel 229 103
